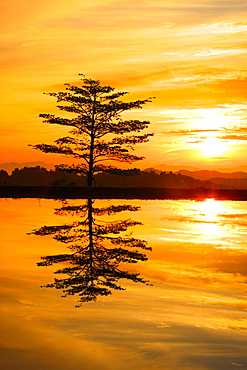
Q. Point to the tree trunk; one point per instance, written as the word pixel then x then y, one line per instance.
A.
pixel 90 232
pixel 90 165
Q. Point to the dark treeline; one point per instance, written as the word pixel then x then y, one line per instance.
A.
pixel 40 176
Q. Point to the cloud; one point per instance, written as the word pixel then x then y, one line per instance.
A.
pixel 189 131
pixel 234 137
pixel 234 215
pixel 197 51
pixel 235 305
pixel 241 328
pixel 217 52
pixel 228 27
pixel 150 17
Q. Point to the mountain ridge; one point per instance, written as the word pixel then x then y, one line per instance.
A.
pixel 178 167
pixel 209 175
pixel 204 174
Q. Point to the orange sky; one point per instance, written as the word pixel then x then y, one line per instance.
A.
pixel 191 55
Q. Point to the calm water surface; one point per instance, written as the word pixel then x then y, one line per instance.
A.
pixel 192 317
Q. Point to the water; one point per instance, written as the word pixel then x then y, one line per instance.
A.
pixel 193 316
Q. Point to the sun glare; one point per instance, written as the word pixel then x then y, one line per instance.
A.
pixel 209 212
pixel 211 120
pixel 210 123
pixel 210 209
pixel 212 147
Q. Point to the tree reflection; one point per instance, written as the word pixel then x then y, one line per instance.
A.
pixel 98 251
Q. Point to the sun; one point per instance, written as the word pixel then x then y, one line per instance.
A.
pixel 212 147
pixel 211 123
pixel 211 119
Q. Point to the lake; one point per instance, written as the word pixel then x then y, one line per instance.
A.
pixel 190 314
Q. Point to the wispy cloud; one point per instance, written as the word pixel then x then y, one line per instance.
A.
pixel 218 52
pixel 234 137
pixel 207 52
pixel 234 215
pixel 227 27
pixel 189 132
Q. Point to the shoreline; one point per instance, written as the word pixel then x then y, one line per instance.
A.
pixel 55 192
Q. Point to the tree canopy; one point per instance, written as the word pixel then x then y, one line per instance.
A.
pixel 98 133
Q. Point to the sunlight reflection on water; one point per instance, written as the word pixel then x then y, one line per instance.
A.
pixel 208 221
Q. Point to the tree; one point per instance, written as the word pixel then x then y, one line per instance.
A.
pixel 4 177
pixel 98 131
pixel 98 251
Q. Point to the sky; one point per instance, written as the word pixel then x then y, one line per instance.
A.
pixel 190 55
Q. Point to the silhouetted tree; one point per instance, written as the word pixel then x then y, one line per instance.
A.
pixel 98 114
pixel 98 249
pixel 4 177
pixel 30 176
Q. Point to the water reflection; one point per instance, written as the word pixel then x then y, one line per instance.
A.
pixel 208 213
pixel 98 251
pixel 210 209
pixel 210 221
pixel 202 248
pixel 192 318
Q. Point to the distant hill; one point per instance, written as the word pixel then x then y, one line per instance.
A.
pixel 174 167
pixel 242 168
pixel 210 175
pixel 178 168
pixel 230 183
pixel 9 167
